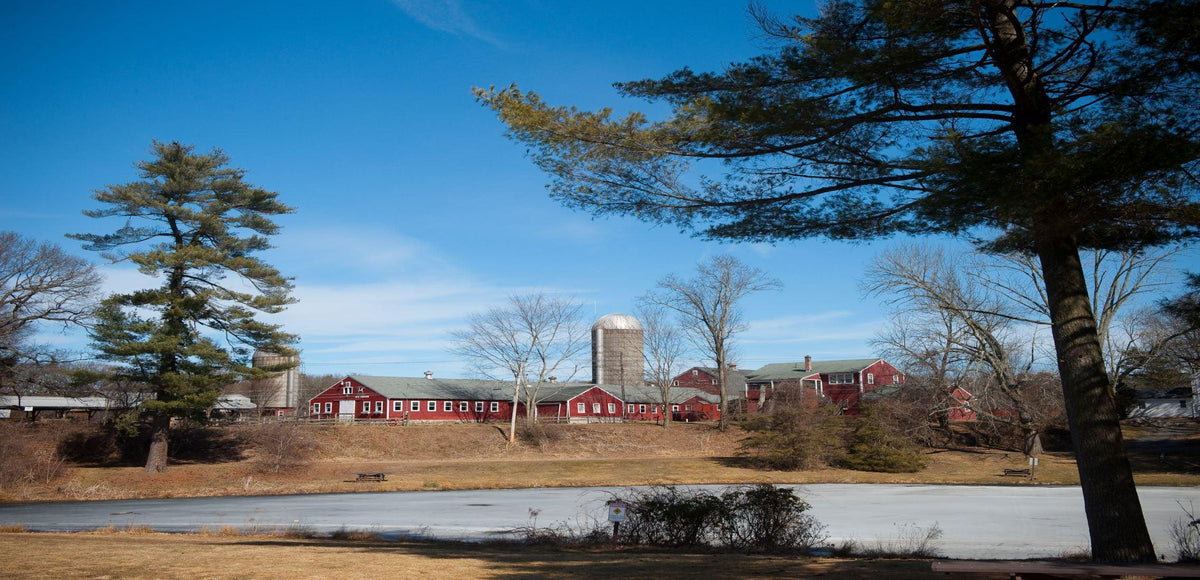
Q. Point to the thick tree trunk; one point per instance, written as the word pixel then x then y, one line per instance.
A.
pixel 1114 513
pixel 160 429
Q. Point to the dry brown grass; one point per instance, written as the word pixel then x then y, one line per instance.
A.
pixel 115 555
pixel 475 456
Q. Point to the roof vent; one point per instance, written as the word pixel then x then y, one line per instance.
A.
pixel 429 374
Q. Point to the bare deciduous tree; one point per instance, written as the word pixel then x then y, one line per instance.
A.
pixel 1115 279
pixel 708 311
pixel 980 310
pixel 528 340
pixel 663 342
pixel 39 283
pixel 964 320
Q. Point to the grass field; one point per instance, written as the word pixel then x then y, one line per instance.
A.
pixel 472 456
pixel 150 555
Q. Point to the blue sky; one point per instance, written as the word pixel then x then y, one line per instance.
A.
pixel 412 208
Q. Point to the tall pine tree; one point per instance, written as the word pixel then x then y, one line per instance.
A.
pixel 1043 127
pixel 193 224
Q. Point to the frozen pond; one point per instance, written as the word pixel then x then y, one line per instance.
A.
pixel 977 521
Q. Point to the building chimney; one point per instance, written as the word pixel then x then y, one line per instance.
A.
pixel 807 363
pixel 732 366
pixel 429 374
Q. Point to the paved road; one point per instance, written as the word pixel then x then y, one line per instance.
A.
pixel 977 521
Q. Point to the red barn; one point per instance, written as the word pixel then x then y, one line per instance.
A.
pixel 644 403
pixel 842 382
pixel 704 379
pixel 578 403
pixel 359 398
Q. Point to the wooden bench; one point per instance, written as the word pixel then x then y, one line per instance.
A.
pixel 1017 569
pixel 370 476
pixel 1017 472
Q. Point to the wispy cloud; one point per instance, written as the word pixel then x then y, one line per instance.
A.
pixel 815 328
pixel 445 16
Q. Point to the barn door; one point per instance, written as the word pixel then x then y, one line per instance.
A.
pixel 346 410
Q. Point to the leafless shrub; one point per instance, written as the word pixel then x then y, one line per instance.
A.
pixel 24 459
pixel 282 446
pixel 910 541
pixel 1185 533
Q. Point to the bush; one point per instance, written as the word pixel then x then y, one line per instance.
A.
pixel 537 434
pixel 1185 533
pixel 671 516
pixel 25 458
pixel 281 446
pixel 766 518
pixel 911 541
pixel 761 518
pixel 873 447
pixel 801 437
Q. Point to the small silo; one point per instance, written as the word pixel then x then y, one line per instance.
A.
pixel 281 390
pixel 617 357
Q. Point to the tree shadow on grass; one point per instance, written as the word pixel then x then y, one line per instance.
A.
pixel 530 562
pixel 106 446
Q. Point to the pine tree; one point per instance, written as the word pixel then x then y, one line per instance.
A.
pixel 1041 127
pixel 192 223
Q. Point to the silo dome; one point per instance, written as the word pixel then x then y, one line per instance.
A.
pixel 617 322
pixel 617 350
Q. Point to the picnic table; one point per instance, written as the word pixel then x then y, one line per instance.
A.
pixel 370 476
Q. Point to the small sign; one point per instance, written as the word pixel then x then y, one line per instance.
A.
pixel 616 511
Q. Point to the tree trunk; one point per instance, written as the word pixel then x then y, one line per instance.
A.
pixel 160 429
pixel 722 381
pixel 1114 513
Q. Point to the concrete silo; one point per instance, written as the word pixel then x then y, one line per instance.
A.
pixel 281 390
pixel 617 357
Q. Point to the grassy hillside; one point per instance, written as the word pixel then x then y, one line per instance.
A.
pixel 238 460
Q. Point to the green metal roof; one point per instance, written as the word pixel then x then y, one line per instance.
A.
pixel 795 370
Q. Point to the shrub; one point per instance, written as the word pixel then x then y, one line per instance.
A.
pixel 911 541
pixel 1185 533
pixel 670 516
pixel 25 458
pixel 537 434
pixel 800 437
pixel 757 518
pixel 766 518
pixel 281 446
pixel 873 447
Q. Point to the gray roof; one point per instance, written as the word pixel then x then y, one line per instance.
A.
pixel 795 370
pixel 234 403
pixel 46 402
pixel 651 394
pixel 463 389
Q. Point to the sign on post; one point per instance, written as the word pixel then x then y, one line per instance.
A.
pixel 616 515
pixel 616 511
